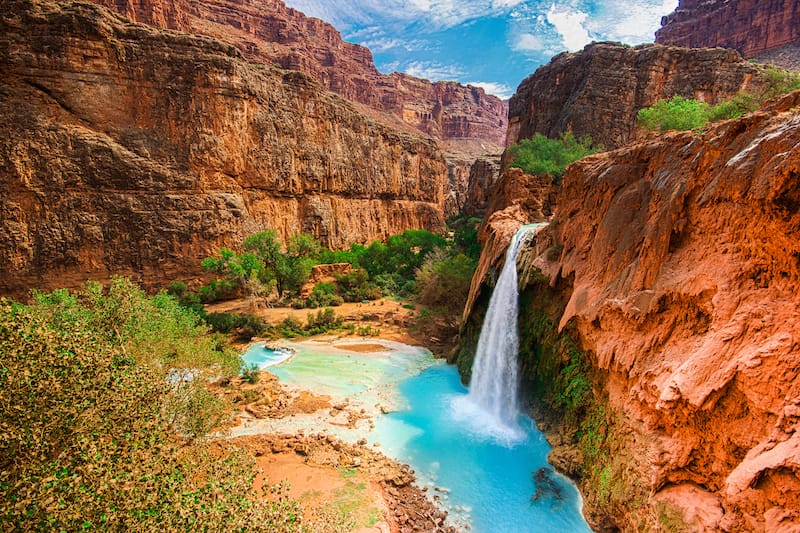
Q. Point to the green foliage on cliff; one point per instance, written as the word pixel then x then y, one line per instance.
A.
pixel 680 113
pixel 677 113
pixel 103 415
pixel 540 155
pixel 559 377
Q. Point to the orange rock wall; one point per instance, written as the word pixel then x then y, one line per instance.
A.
pixel 134 151
pixel 598 91
pixel 268 32
pixel 681 258
pixel 752 27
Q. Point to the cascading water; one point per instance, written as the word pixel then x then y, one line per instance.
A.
pixel 493 387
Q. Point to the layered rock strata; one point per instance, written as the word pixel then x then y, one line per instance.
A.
pixel 754 28
pixel 676 262
pixel 134 151
pixel 268 32
pixel 598 91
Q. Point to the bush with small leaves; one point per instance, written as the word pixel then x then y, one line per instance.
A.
pixel 98 430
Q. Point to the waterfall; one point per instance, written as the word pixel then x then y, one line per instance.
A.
pixel 493 387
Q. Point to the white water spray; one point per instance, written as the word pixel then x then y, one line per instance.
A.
pixel 494 382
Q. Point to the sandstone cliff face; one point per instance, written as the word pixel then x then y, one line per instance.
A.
pixel 268 32
pixel 483 174
pixel 755 28
pixel 514 200
pixel 598 91
pixel 133 151
pixel 679 262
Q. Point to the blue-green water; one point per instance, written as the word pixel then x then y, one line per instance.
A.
pixel 483 473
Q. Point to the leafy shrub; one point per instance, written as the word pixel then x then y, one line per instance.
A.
pixel 251 374
pixel 324 320
pixel 244 326
pixel 443 281
pixel 686 114
pixel 368 331
pixel 540 155
pixel 401 254
pixel 217 290
pixel 324 295
pixel 355 286
pixel 291 327
pixel 222 322
pixel 678 113
pixel 778 81
pixel 93 434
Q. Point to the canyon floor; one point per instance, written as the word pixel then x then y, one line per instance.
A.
pixel 328 476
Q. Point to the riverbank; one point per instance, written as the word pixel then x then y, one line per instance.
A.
pixel 387 319
pixel 324 473
pixel 332 476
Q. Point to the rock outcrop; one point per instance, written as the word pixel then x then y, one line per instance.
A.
pixel 677 261
pixel 268 32
pixel 127 150
pixel 755 28
pixel 514 200
pixel 483 174
pixel 598 91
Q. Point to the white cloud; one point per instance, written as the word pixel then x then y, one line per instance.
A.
pixel 438 13
pixel 527 42
pixel 569 23
pixel 381 44
pixel 433 71
pixel 500 90
pixel 631 23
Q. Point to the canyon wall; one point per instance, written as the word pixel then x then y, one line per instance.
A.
pixel 661 327
pixel 268 32
pixel 598 91
pixel 768 29
pixel 128 150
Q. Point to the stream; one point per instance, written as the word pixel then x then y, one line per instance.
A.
pixel 488 477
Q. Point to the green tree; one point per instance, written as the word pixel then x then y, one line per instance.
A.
pixel 677 113
pixel 402 254
pixel 540 155
pixel 289 269
pixel 246 271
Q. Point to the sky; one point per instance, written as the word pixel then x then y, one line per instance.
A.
pixel 492 44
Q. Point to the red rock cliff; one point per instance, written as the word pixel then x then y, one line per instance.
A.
pixel 268 32
pixel 134 151
pixel 679 261
pixel 754 28
pixel 598 91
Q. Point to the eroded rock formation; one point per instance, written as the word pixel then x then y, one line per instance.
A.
pixel 755 28
pixel 514 200
pixel 598 91
pixel 127 150
pixel 268 32
pixel 676 260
